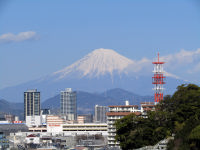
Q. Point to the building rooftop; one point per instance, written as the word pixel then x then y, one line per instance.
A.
pixel 126 106
pixel 148 103
pixel 13 128
pixel 32 90
pixel 147 109
pixel 122 113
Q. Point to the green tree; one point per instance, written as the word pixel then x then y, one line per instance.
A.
pixel 178 114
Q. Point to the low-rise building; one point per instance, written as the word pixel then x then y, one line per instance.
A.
pixel 38 129
pixel 85 128
pixel 85 118
pixel 32 139
pixel 54 124
pixel 10 118
pixel 44 113
pixel 4 142
pixel 32 121
pixel 13 128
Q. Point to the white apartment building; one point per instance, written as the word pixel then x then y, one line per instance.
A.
pixel 115 113
pixel 147 106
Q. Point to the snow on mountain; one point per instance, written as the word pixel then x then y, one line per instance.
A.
pixel 99 62
pixel 98 71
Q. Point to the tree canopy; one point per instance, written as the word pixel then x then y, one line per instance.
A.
pixel 178 114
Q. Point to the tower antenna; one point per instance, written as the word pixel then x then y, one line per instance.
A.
pixel 158 80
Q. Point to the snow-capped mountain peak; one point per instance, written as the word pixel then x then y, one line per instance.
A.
pixel 100 70
pixel 96 63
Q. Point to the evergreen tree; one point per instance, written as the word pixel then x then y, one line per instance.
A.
pixel 178 114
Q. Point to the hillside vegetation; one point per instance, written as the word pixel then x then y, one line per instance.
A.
pixel 177 115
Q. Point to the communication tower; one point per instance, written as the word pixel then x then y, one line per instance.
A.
pixel 158 80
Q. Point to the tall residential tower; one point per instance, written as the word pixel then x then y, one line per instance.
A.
pixel 100 114
pixel 68 104
pixel 117 112
pixel 31 103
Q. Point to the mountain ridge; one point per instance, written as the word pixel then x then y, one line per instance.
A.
pixel 85 101
pixel 102 69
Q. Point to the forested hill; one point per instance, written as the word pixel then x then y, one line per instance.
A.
pixel 177 115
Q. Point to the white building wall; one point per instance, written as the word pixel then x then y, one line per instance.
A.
pixel 34 140
pixel 118 112
pixel 54 128
pixel 33 121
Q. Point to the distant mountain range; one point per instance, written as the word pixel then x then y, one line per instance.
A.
pixel 98 71
pixel 11 108
pixel 85 101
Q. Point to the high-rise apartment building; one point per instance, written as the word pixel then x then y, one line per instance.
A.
pixel 115 113
pixel 68 104
pixel 100 114
pixel 31 103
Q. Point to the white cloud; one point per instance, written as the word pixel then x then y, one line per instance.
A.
pixel 144 66
pixel 182 58
pixel 195 69
pixel 140 67
pixel 22 36
pixel 171 75
pixel 188 61
pixel 141 64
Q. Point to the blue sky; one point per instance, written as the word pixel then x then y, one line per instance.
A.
pixel 41 37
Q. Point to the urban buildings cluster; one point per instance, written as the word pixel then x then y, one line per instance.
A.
pixel 41 128
pixel 67 129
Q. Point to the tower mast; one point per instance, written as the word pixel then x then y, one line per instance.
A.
pixel 158 80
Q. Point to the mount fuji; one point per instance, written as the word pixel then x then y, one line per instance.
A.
pixel 100 70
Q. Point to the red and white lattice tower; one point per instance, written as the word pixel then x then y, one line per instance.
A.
pixel 158 80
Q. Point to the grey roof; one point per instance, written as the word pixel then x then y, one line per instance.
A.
pixel 13 128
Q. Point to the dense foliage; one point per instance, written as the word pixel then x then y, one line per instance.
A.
pixel 178 114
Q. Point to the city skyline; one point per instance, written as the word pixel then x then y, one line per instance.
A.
pixel 46 39
pixel 100 74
